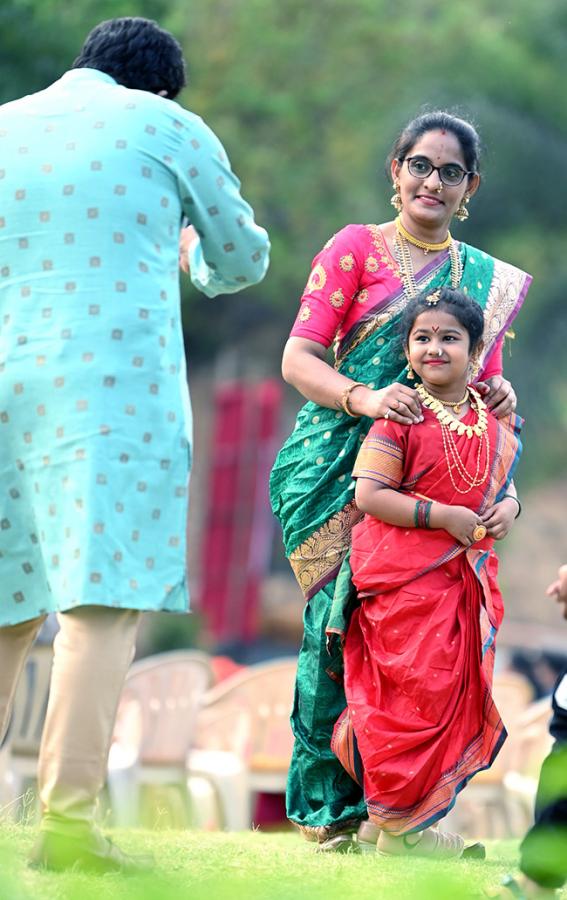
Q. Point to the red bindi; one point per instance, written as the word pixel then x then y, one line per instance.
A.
pixel 435 327
pixel 443 131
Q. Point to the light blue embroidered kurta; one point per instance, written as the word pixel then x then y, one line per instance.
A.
pixel 95 419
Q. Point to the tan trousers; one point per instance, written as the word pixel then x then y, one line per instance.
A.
pixel 92 653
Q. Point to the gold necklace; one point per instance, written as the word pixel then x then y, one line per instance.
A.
pixel 449 425
pixel 426 246
pixel 405 264
pixel 456 405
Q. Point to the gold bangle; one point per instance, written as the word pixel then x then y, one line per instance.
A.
pixel 345 396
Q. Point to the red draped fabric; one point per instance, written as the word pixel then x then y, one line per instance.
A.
pixel 238 526
pixel 419 650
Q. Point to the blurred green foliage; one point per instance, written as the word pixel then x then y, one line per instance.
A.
pixel 308 98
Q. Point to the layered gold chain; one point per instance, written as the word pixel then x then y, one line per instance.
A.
pixel 405 264
pixel 449 425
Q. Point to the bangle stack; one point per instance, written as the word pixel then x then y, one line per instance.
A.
pixel 422 513
pixel 513 497
pixel 345 398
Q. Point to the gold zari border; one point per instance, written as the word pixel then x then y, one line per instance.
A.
pixel 321 554
pixel 505 290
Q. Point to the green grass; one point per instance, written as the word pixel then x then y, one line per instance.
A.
pixel 249 866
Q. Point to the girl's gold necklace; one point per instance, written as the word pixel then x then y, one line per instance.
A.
pixel 449 425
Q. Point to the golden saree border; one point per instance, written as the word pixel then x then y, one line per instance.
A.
pixel 479 755
pixel 319 558
pixel 506 294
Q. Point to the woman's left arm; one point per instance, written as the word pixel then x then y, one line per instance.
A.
pixel 499 518
pixel 496 391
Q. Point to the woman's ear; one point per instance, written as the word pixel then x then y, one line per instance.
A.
pixel 473 185
pixel 395 167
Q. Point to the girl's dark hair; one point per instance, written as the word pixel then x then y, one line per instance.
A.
pixel 465 310
pixel 438 120
pixel 137 53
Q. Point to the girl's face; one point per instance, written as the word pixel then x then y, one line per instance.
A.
pixel 439 350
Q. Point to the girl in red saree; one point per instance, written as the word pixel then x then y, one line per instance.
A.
pixel 419 649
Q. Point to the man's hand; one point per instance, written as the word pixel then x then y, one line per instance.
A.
pixel 558 589
pixel 187 238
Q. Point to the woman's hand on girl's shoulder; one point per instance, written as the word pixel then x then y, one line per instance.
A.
pixel 499 395
pixel 397 403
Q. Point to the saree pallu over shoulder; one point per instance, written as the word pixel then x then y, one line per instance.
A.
pixel 507 288
pixel 311 489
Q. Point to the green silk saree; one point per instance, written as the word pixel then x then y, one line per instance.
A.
pixel 312 495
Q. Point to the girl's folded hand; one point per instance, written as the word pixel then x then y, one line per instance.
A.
pixel 499 518
pixel 458 521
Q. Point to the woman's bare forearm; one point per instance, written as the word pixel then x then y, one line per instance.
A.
pixel 304 366
pixel 308 372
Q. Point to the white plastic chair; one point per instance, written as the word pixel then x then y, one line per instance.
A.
pixel 244 740
pixel 155 726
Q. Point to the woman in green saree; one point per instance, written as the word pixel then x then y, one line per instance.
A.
pixel 359 285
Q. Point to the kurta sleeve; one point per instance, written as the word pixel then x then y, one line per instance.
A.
pixel 233 251
pixel 381 456
pixel 334 280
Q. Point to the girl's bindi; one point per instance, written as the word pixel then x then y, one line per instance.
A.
pixel 435 328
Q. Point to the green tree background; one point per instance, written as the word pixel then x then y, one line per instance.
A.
pixel 307 98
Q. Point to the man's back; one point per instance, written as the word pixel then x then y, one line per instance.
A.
pixel 91 198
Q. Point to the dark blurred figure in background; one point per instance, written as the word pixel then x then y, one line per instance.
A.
pixel 543 853
pixel 540 668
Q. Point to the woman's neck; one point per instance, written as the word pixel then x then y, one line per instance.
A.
pixel 430 232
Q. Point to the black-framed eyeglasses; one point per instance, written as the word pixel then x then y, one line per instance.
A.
pixel 450 174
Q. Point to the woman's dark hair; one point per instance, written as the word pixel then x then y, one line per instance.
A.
pixel 137 53
pixel 465 310
pixel 438 120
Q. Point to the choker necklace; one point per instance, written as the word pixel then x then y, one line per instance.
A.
pixel 456 405
pixel 449 425
pixel 426 246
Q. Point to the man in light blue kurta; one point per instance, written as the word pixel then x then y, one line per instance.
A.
pixel 95 419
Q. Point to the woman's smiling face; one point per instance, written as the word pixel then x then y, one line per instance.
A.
pixel 427 202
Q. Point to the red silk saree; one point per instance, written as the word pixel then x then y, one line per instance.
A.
pixel 419 651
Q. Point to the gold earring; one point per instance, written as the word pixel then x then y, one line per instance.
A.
pixel 474 368
pixel 396 199
pixel 462 212
pixel 411 373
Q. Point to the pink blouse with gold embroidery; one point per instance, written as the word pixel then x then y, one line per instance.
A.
pixel 353 272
